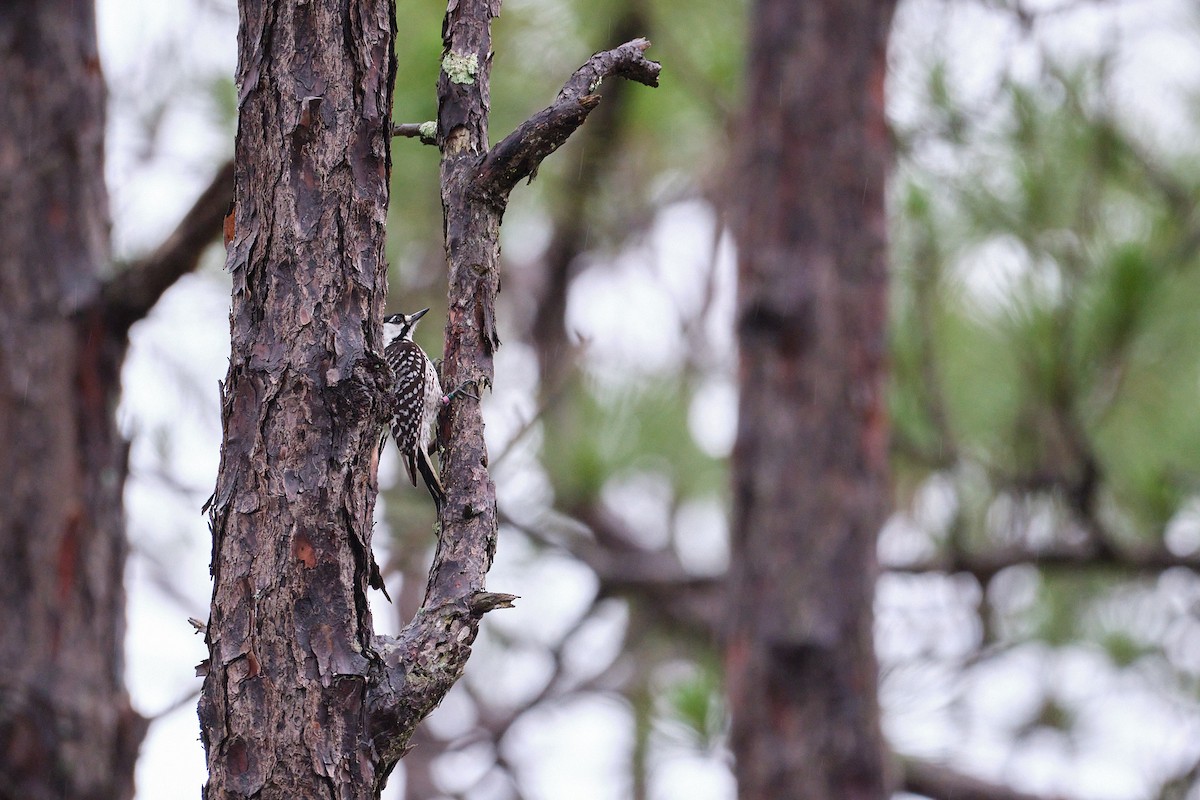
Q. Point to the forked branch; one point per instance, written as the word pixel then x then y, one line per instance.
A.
pixel 519 154
pixel 428 656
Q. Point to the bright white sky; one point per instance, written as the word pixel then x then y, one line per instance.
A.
pixel 179 354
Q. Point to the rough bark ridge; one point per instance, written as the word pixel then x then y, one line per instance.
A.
pixel 66 727
pixel 290 650
pixel 300 698
pixel 476 182
pixel 810 469
pixel 472 239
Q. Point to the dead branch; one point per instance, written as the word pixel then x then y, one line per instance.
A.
pixel 518 155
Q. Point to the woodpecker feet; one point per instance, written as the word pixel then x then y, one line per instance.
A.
pixel 461 389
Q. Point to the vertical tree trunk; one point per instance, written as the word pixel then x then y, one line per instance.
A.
pixel 300 698
pixel 471 223
pixel 810 470
pixel 66 727
pixel 283 709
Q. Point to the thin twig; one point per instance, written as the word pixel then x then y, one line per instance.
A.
pixel 425 131
pixel 942 783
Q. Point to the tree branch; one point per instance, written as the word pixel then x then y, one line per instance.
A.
pixel 428 657
pixel 425 131
pixel 519 154
pixel 419 666
pixel 130 294
pixel 671 594
pixel 941 783
pixel 984 566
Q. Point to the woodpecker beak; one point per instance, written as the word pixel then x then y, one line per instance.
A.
pixel 418 315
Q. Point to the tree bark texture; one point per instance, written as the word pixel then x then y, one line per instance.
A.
pixel 810 459
pixel 291 657
pixel 66 726
pixel 476 182
pixel 472 239
pixel 300 698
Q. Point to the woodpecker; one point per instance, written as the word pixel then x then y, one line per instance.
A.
pixel 418 399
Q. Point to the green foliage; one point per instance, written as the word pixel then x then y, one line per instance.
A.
pixel 604 432
pixel 1057 615
pixel 1051 715
pixel 414 213
pixel 693 710
pixel 1046 364
pixel 223 95
pixel 1122 649
pixel 1040 317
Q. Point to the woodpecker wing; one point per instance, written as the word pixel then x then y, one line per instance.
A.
pixel 408 364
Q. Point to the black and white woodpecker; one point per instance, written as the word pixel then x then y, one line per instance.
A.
pixel 418 399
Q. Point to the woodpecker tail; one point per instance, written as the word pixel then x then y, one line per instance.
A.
pixel 430 476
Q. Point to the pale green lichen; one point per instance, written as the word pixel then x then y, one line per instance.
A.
pixel 428 130
pixel 460 68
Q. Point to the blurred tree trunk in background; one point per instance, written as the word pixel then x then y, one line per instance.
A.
pixel 810 460
pixel 66 726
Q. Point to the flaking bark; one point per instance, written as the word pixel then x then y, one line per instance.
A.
pixel 291 655
pixel 300 697
pixel 476 183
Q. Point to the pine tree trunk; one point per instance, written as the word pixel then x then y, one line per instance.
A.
pixel 283 708
pixel 67 730
pixel 300 699
pixel 810 460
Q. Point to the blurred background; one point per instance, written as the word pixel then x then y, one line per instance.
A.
pixel 1038 617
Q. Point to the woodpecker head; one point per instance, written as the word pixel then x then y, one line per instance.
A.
pixel 401 326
